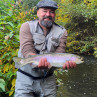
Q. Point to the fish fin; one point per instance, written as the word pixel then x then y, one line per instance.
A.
pixel 22 61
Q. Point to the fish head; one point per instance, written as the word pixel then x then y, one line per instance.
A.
pixel 79 60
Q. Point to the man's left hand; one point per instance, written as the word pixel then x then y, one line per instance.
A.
pixel 69 64
pixel 43 63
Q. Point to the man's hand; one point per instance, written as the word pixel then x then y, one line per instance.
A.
pixel 43 63
pixel 69 64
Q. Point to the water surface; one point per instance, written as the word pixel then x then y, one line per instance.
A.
pixel 80 81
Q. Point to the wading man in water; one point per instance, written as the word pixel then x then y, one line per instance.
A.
pixel 40 36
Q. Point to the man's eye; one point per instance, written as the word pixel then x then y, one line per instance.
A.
pixel 44 11
pixel 52 11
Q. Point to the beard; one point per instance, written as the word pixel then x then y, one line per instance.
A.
pixel 47 24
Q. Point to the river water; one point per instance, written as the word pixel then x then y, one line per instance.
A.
pixel 80 81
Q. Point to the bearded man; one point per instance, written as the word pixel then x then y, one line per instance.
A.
pixel 40 36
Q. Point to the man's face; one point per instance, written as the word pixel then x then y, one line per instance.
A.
pixel 46 16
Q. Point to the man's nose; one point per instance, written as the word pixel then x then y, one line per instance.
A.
pixel 48 14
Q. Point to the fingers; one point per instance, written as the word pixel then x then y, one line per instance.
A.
pixel 43 63
pixel 69 64
pixel 72 64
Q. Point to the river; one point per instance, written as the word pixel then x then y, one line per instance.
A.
pixel 80 81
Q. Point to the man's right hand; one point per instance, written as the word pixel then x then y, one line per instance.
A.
pixel 43 63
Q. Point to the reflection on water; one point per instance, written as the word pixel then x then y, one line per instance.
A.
pixel 80 81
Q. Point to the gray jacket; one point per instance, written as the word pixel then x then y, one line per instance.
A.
pixel 42 45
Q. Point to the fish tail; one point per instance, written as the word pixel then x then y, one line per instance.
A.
pixel 17 60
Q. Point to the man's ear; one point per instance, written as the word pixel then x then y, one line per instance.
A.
pixel 38 13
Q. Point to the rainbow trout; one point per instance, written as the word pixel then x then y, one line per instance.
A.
pixel 55 59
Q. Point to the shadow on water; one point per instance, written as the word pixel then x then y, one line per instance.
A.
pixel 80 81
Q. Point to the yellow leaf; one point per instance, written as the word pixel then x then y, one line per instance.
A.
pixel 13 67
pixel 6 68
pixel 62 1
pixel 0 62
pixel 11 92
pixel 13 87
pixel 9 48
pixel 96 22
pixel 10 66
pixel 13 82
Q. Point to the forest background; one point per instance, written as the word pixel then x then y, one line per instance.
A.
pixel 79 17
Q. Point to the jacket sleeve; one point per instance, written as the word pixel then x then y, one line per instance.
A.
pixel 26 40
pixel 62 43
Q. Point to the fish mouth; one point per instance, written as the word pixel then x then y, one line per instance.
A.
pixel 81 59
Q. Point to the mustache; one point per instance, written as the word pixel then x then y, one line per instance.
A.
pixel 47 17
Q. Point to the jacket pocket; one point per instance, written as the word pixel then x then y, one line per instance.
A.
pixel 52 44
pixel 39 41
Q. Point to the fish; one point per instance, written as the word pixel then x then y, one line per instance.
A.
pixel 55 59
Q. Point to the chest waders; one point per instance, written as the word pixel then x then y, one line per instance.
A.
pixel 35 82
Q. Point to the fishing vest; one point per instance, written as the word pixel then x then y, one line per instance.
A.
pixel 43 44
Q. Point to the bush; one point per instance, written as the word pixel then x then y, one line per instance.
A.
pixel 80 20
pixel 11 17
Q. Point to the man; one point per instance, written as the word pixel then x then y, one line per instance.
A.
pixel 37 37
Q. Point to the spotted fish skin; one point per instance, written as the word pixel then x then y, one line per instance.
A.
pixel 55 59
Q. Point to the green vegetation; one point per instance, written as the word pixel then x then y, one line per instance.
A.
pixel 80 20
pixel 11 17
pixel 78 16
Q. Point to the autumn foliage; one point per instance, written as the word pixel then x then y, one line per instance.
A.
pixel 79 17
